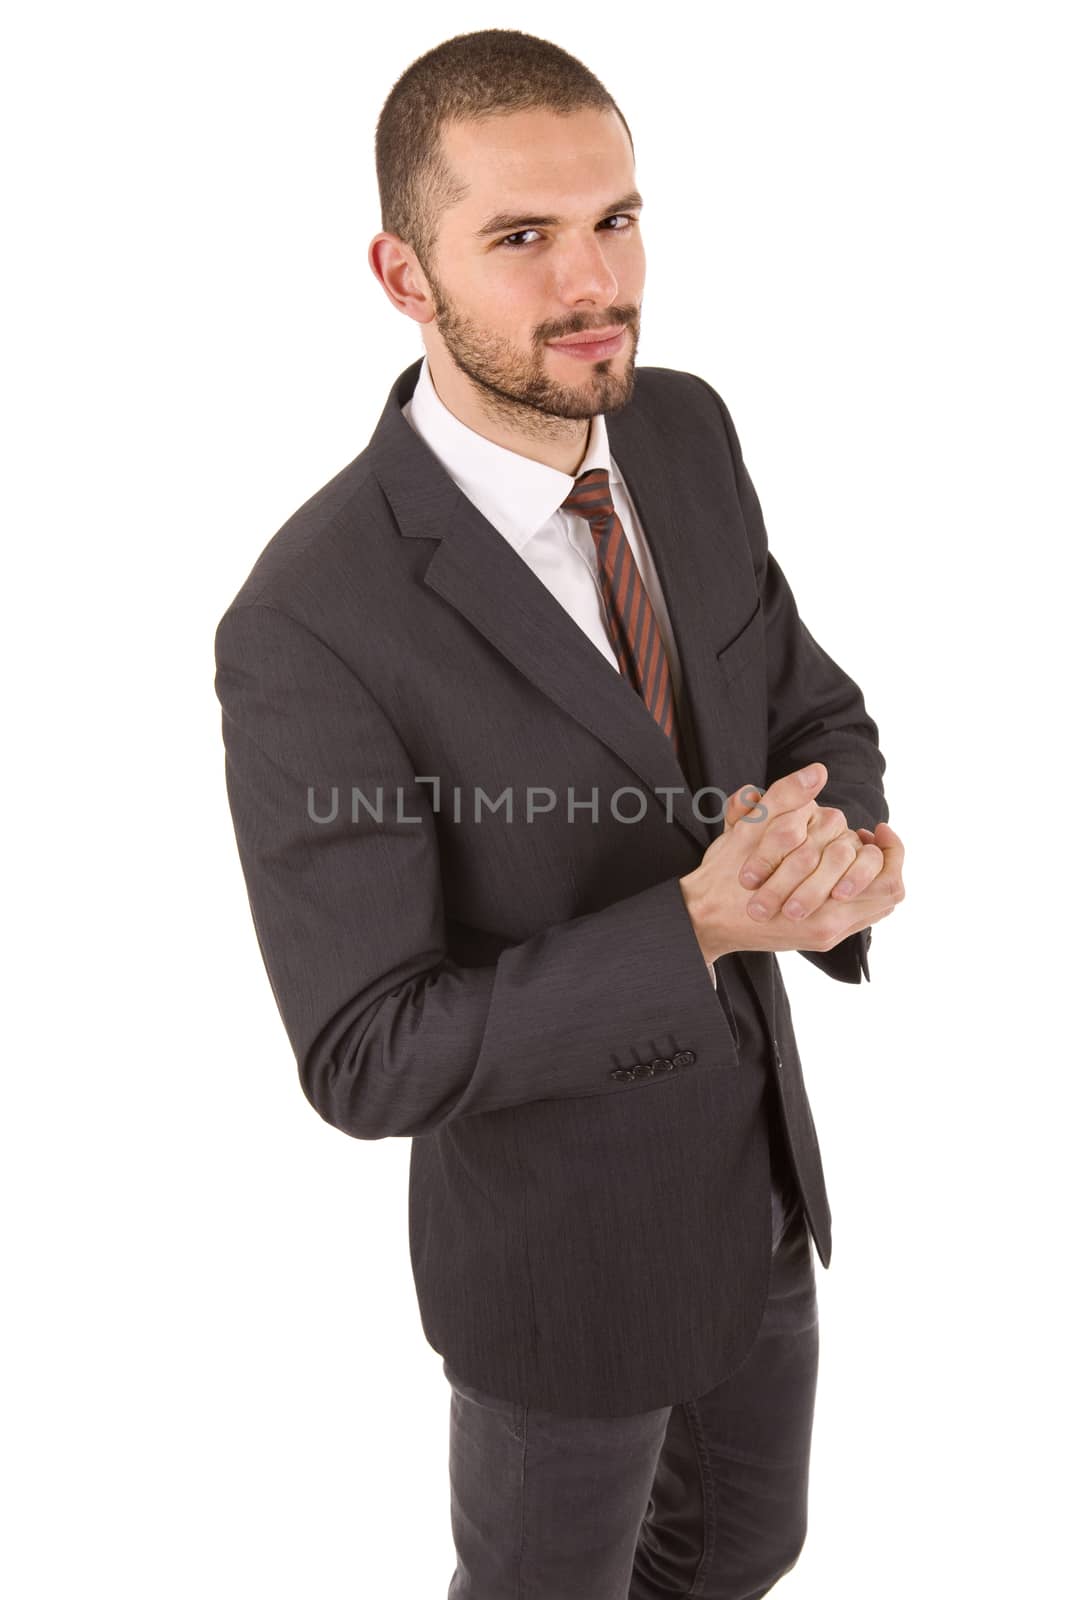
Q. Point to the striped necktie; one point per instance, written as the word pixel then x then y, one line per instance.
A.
pixel 632 626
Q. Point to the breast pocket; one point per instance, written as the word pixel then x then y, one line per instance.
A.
pixel 745 651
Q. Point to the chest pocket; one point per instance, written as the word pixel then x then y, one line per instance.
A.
pixel 745 650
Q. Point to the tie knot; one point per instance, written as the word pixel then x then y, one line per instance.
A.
pixel 591 496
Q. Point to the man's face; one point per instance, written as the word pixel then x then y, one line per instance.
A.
pixel 545 244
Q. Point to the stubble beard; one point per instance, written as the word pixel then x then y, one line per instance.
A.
pixel 517 390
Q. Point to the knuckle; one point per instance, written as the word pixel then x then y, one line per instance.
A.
pixel 811 855
pixel 807 855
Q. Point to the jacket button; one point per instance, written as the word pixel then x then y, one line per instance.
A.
pixel 663 1064
pixel 622 1075
pixel 684 1058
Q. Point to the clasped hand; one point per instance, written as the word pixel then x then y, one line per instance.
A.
pixel 797 878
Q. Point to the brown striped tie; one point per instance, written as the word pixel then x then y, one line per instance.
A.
pixel 632 626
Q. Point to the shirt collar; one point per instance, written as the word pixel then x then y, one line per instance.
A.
pixel 514 493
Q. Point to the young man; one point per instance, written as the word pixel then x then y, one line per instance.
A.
pixel 476 694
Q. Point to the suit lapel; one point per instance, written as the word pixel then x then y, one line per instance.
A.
pixel 475 570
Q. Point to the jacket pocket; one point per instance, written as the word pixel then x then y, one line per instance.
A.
pixel 744 648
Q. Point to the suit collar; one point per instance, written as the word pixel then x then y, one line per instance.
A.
pixel 473 569
pixel 515 493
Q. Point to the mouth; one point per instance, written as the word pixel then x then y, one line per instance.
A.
pixel 596 344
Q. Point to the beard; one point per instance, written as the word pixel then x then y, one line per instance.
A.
pixel 514 383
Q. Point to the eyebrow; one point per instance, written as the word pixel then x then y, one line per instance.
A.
pixel 511 222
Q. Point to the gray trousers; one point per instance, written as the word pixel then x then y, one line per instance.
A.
pixel 706 1498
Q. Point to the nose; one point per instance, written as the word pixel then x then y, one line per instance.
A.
pixel 583 274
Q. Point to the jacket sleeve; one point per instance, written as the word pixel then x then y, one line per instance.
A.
pixel 815 710
pixel 391 1036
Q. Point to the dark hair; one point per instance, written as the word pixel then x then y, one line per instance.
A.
pixel 469 77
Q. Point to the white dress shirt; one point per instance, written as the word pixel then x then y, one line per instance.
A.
pixel 522 498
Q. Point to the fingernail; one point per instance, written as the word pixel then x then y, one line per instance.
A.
pixel 750 877
pixel 846 887
pixel 759 911
pixel 809 777
pixel 794 909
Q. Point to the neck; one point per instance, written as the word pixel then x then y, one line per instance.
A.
pixel 559 442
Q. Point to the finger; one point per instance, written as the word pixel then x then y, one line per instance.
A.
pixel 794 789
pixel 872 838
pixel 776 839
pixel 779 842
pixel 805 878
pixel 885 888
pixel 740 804
pixel 797 866
pixel 866 867
pixel 890 843
pixel 870 867
pixel 783 828
pixel 789 793
pixel 891 878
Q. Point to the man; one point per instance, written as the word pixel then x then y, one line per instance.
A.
pixel 476 693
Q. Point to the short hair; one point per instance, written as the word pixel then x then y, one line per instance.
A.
pixel 472 76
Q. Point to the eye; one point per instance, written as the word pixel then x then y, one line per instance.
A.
pixel 616 216
pixel 623 216
pixel 507 244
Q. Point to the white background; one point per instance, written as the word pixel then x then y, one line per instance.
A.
pixel 217 1379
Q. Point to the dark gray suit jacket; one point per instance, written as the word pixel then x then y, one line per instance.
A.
pixel 525 998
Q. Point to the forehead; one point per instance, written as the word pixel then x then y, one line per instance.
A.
pixel 581 158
